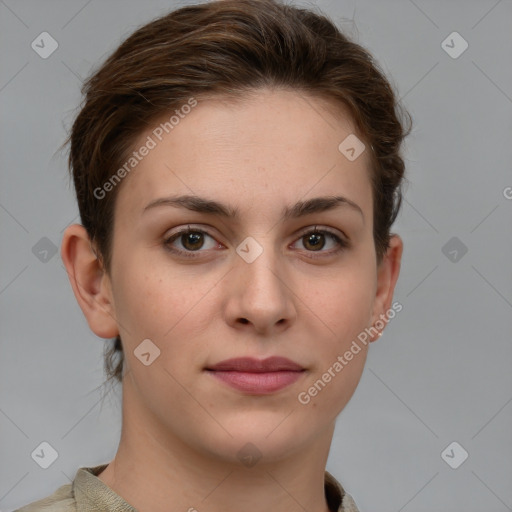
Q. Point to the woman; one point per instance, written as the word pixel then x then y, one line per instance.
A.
pixel 237 169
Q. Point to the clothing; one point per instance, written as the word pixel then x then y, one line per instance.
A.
pixel 87 493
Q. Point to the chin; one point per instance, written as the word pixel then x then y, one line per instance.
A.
pixel 261 438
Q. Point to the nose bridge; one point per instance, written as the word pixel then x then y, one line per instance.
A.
pixel 264 295
pixel 261 263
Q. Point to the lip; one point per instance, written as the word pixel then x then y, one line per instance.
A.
pixel 255 376
pixel 252 365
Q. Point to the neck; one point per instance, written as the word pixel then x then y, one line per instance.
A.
pixel 154 468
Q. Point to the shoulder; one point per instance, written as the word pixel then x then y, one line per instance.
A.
pixel 349 504
pixel 61 500
pixel 338 500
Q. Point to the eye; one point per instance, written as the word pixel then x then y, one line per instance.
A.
pixel 314 241
pixel 192 239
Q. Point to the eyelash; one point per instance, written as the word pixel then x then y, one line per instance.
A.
pixel 342 243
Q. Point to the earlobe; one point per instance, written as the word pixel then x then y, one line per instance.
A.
pixel 90 283
pixel 387 276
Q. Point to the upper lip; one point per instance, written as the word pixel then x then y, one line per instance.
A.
pixel 249 364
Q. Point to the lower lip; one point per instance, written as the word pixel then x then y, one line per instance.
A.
pixel 258 383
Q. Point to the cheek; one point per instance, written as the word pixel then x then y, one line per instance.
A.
pixel 341 302
pixel 342 379
pixel 342 309
pixel 339 363
pixel 155 301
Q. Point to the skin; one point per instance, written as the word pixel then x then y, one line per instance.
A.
pixel 182 428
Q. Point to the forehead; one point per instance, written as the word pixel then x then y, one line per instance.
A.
pixel 274 146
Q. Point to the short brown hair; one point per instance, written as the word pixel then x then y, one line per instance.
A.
pixel 228 48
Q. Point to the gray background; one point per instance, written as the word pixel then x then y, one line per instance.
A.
pixel 442 370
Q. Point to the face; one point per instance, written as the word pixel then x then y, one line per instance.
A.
pixel 257 284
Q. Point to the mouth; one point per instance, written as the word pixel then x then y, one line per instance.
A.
pixel 257 377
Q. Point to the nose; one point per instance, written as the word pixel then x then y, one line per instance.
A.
pixel 260 294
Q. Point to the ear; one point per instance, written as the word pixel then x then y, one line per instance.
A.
pixel 90 283
pixel 387 276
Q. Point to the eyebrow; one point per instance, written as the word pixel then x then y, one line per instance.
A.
pixel 209 206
